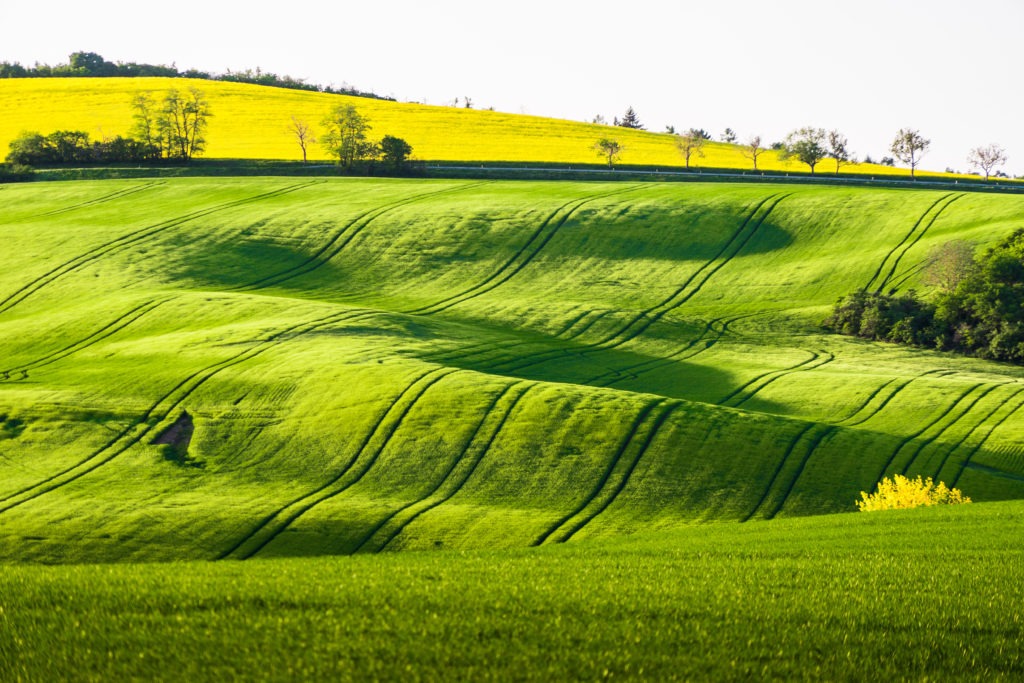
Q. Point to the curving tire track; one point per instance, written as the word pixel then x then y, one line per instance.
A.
pixel 978 425
pixel 523 256
pixel 962 412
pixel 643 320
pixel 365 457
pixel 477 447
pixel 139 428
pixel 846 421
pixel 903 241
pixel 125 192
pixel 616 474
pixel 822 431
pixel 917 238
pixel 974 451
pixel 815 441
pixel 342 238
pixel 747 391
pixel 130 239
pixel 108 330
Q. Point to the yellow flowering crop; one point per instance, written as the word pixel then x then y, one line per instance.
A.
pixel 901 492
pixel 253 122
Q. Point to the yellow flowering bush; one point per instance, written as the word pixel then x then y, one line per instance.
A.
pixel 901 492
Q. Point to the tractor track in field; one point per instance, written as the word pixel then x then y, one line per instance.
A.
pixel 124 192
pixel 523 256
pixel 812 445
pixel 159 411
pixel 105 332
pixel 978 425
pixel 747 391
pixel 693 284
pixel 955 416
pixel 909 240
pixel 846 421
pixel 895 264
pixel 271 526
pixel 458 473
pixel 131 239
pixel 645 426
pixel 342 238
pixel 974 451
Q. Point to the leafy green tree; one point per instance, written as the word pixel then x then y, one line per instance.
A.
pixel 182 123
pixel 729 136
pixel 610 149
pixel 346 135
pixel 146 127
pixel 909 146
pixel 806 145
pixel 394 152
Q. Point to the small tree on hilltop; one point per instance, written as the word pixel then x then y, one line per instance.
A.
pixel 146 124
pixel 346 135
pixel 909 146
pixel 806 145
pixel 610 149
pixel 631 120
pixel 837 148
pixel 753 149
pixel 182 123
pixel 729 136
pixel 689 143
pixel 987 158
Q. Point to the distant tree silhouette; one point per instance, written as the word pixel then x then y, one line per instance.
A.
pixel 630 120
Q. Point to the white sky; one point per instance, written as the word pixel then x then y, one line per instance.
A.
pixel 867 67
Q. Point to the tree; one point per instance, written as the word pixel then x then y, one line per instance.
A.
pixel 729 135
pixel 630 120
pixel 909 146
pixel 394 151
pixel 610 149
pixel 753 149
pixel 806 145
pixel 146 124
pixel 346 135
pixel 689 143
pixel 303 133
pixel 183 123
pixel 948 265
pixel 987 158
pixel 837 148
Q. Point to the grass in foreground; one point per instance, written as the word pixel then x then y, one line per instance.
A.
pixel 930 594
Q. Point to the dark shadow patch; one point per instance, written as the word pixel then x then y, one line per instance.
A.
pixel 11 427
pixel 175 440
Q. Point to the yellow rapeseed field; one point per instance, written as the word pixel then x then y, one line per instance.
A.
pixel 252 122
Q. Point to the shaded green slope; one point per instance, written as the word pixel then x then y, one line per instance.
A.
pixel 356 365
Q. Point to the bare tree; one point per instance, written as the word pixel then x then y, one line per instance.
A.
pixel 948 264
pixel 753 149
pixel 909 146
pixel 837 148
pixel 303 132
pixel 806 145
pixel 987 158
pixel 689 143
pixel 610 149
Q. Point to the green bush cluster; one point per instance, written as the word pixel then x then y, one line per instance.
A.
pixel 75 147
pixel 981 315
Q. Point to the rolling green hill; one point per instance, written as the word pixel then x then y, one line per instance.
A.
pixel 201 369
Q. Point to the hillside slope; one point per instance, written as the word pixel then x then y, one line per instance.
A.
pixel 268 367
pixel 252 122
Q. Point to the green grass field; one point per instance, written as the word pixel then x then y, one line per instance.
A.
pixel 203 369
pixel 912 595
pixel 573 392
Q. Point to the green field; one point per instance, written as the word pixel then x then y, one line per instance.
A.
pixel 911 595
pixel 236 368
